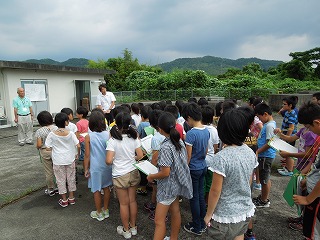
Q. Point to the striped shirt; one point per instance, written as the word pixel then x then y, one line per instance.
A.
pixel 178 183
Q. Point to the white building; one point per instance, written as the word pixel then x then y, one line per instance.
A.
pixel 50 87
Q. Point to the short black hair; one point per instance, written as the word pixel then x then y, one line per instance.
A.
pixel 155 106
pixel 127 106
pixel 135 108
pixel 202 101
pixel 179 104
pixel 67 111
pixel 45 118
pixel 192 100
pixel 173 109
pixel 262 108
pixel 227 105
pixel 119 109
pixel 102 85
pixel 154 117
pixel 291 100
pixel 162 104
pixel 218 108
pixel 145 112
pixel 97 122
pixel 192 110
pixel 257 101
pixel 60 120
pixel 82 110
pixel 316 95
pixel 249 114
pixel 207 114
pixel 308 112
pixel 233 127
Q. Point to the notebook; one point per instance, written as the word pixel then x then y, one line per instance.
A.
pixel 280 145
pixel 146 167
pixel 146 144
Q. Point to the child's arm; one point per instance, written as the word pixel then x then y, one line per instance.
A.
pixel 39 142
pixel 139 154
pixel 301 200
pixel 78 150
pixel 189 153
pixel 305 155
pixel 163 173
pixel 287 138
pixel 109 157
pixel 290 129
pixel 86 161
pixel 214 195
pixel 263 148
pixel 154 160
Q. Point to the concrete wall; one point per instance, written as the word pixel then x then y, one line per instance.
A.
pixel 275 100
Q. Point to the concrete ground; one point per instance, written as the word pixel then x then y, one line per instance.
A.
pixel 36 216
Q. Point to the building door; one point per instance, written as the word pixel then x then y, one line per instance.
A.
pixel 37 91
pixel 86 92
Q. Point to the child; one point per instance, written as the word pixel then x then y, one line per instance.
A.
pixel 309 116
pixel 316 98
pixel 265 153
pixel 63 142
pixel 144 121
pixel 156 142
pixel 136 114
pixel 71 126
pixel 213 145
pixel 230 206
pixel 173 178
pixel 289 128
pixel 98 173
pixel 197 146
pixel 82 126
pixel 175 112
pixel 46 122
pixel 121 154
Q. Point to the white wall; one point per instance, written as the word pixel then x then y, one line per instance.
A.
pixel 60 87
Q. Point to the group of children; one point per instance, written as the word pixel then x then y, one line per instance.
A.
pixel 209 165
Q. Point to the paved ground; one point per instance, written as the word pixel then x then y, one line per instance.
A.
pixel 37 216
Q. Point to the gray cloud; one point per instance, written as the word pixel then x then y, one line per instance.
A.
pixel 157 31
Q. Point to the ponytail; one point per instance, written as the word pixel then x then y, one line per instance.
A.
pixel 132 132
pixel 123 126
pixel 115 133
pixel 175 138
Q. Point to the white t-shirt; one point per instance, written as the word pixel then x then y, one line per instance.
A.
pixel 105 100
pixel 124 154
pixel 63 148
pixel 136 118
pixel 214 139
pixel 72 127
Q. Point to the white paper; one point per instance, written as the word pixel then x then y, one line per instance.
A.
pixel 146 167
pixel 83 134
pixel 280 145
pixel 146 144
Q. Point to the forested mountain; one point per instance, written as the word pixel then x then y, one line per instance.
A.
pixel 215 65
pixel 72 62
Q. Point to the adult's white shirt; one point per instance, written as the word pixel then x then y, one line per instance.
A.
pixel 105 100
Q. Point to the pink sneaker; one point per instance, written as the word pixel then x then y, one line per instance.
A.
pixel 63 203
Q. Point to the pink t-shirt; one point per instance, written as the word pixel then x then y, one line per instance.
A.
pixel 255 130
pixel 306 139
pixel 82 125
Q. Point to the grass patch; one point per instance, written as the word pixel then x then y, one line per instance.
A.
pixel 7 199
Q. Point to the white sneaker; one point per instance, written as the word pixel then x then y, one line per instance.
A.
pixel 125 234
pixel 134 231
pixel 166 238
pixel 99 216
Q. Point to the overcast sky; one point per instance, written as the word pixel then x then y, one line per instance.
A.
pixel 157 31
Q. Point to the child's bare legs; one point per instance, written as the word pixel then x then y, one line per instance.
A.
pixel 133 206
pixel 64 197
pixel 265 190
pixel 106 197
pixel 175 219
pixel 71 195
pixel 128 206
pixel 97 200
pixel 160 221
pixel 257 176
pixel 289 164
pixel 241 237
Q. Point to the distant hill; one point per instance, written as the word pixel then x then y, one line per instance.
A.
pixel 72 62
pixel 215 65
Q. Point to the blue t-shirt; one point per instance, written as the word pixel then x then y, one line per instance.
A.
pixel 265 135
pixel 141 127
pixel 290 118
pixel 198 138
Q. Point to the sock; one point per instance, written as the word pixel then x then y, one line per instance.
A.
pixel 249 232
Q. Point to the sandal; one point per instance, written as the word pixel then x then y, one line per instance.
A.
pixel 63 203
